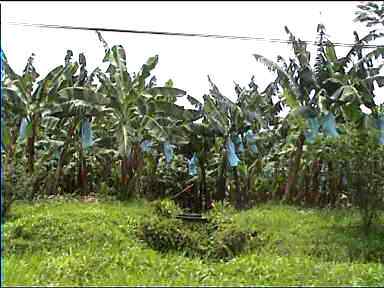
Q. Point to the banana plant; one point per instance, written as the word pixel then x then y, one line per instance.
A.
pixel 232 124
pixel 28 98
pixel 199 150
pixel 322 95
pixel 69 119
pixel 260 130
pixel 220 114
pixel 9 117
pixel 140 109
pixel 8 141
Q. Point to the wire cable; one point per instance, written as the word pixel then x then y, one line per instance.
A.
pixel 217 36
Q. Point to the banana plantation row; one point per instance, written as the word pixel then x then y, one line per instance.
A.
pixel 119 133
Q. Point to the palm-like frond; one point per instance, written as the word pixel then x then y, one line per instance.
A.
pixel 290 83
pixel 370 13
pixel 373 55
pixel 356 49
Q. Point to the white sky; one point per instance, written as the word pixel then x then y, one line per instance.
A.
pixel 187 61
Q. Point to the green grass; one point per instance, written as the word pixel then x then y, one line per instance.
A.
pixel 74 243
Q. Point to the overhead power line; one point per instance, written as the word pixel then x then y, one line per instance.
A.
pixel 217 36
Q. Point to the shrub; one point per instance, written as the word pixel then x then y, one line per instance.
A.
pixel 166 208
pixel 18 186
pixel 219 215
pixel 366 175
pixel 230 241
pixel 163 234
pixel 106 192
pixel 220 238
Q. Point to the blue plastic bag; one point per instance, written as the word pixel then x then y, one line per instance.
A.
pixel 252 115
pixel 238 141
pixel 23 128
pixel 313 129
pixel 168 151
pixel 254 148
pixel 192 165
pixel 241 147
pixel 2 66
pixel 381 129
pixel 57 153
pixel 251 140
pixel 233 160
pixel 329 125
pixel 86 134
pixel 344 180
pixel 146 145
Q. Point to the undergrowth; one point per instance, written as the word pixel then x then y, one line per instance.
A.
pixel 73 243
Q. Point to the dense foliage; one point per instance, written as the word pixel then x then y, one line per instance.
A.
pixel 120 134
pixel 77 144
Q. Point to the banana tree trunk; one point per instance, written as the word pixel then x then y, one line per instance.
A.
pixel 247 188
pixel 83 180
pixel 130 170
pixel 207 194
pixel 60 164
pixel 124 175
pixel 238 197
pixel 294 168
pixel 202 188
pixel 125 165
pixel 31 147
pixel 315 182
pixel 124 171
pixel 195 198
pixel 137 167
pixel 303 192
pixel 8 198
pixel 59 169
pixel 221 181
pixel 335 183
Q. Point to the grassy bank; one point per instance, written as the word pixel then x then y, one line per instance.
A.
pixel 75 243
